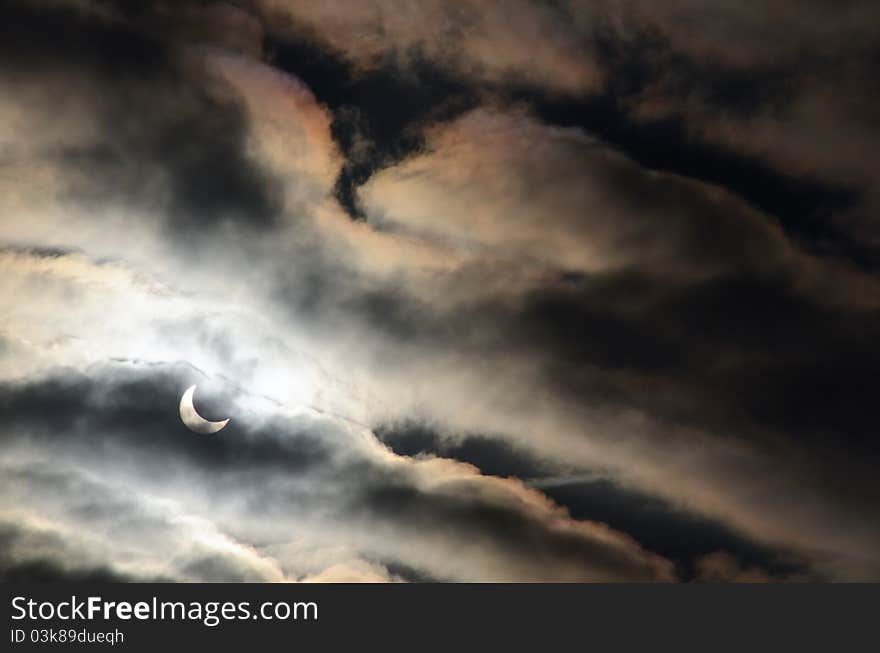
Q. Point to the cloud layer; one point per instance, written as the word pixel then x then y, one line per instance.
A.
pixel 519 292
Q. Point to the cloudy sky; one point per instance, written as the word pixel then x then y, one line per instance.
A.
pixel 491 291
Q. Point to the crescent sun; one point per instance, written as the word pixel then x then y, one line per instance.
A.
pixel 193 421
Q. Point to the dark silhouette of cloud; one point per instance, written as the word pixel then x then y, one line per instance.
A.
pixel 172 135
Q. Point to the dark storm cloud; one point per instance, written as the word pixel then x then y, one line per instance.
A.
pixel 672 532
pixel 739 349
pixel 677 534
pixel 378 114
pixel 766 102
pixel 491 455
pixel 802 204
pixel 645 67
pixel 509 530
pixel 658 96
pixel 171 136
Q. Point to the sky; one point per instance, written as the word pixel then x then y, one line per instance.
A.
pixel 489 291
